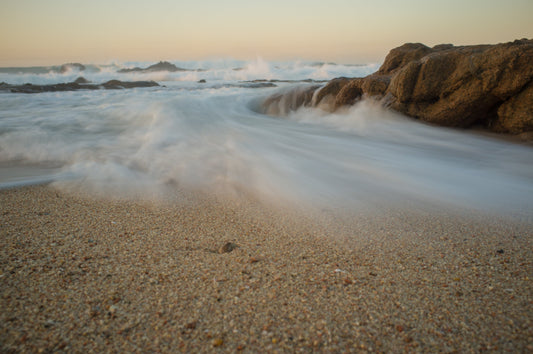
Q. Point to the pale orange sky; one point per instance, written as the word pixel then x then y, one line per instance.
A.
pixel 38 32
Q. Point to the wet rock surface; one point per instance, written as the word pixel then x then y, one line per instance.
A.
pixel 489 86
pixel 79 84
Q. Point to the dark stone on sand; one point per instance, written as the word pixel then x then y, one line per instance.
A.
pixel 488 86
pixel 161 66
pixel 227 247
pixel 201 81
pixel 191 325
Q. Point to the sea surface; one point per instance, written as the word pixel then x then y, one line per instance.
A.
pixel 188 134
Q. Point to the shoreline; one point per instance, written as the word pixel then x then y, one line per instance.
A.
pixel 80 273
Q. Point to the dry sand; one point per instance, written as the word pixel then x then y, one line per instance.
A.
pixel 84 275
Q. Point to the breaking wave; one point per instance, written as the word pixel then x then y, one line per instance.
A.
pixel 210 136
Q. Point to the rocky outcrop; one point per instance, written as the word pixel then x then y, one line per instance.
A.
pixel 516 114
pixel 70 67
pixel 81 80
pixel 464 86
pixel 401 56
pixel 161 66
pixel 79 84
pixel 485 85
pixel 329 92
pixel 117 84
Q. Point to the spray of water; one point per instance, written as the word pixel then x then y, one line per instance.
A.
pixel 189 135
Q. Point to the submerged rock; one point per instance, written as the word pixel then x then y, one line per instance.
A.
pixel 485 85
pixel 284 102
pixel 79 84
pixel 117 84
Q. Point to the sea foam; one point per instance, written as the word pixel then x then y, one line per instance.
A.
pixel 207 136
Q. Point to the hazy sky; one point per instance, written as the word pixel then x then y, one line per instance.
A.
pixel 44 32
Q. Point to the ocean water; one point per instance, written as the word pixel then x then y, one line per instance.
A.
pixel 211 136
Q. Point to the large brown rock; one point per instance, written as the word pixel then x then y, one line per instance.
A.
pixel 516 114
pixel 401 56
pixel 328 93
pixel 376 85
pixel 463 86
pixel 483 85
pixel 349 93
pixel 341 92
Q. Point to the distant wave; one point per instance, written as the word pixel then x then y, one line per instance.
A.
pixel 219 70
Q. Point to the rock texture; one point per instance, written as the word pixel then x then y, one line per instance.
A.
pixel 484 85
pixel 79 84
pixel 161 66
pixel 284 102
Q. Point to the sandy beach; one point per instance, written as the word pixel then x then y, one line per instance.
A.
pixel 200 274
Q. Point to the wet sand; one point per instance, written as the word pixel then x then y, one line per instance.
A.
pixel 80 274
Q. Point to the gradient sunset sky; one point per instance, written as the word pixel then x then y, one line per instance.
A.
pixel 46 32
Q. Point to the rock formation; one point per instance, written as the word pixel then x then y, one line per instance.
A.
pixel 81 80
pixel 486 85
pixel 161 66
pixel 80 84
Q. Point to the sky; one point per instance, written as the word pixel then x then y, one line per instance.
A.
pixel 48 32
